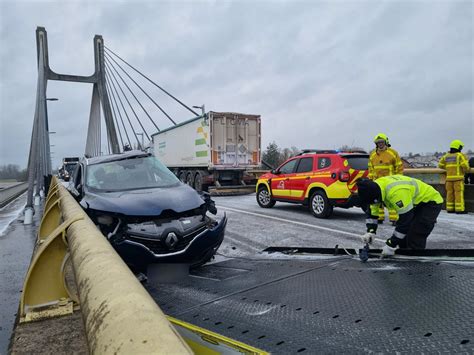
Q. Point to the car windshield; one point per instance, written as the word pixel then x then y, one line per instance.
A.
pixel 358 162
pixel 129 174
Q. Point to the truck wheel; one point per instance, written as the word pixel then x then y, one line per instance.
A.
pixel 182 176
pixel 190 179
pixel 319 205
pixel 198 185
pixel 264 199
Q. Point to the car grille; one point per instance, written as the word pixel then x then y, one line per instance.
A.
pixel 158 246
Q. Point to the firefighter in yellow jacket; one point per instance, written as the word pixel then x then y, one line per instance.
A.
pixel 456 166
pixel 384 161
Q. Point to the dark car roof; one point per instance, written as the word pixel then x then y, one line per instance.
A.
pixel 115 157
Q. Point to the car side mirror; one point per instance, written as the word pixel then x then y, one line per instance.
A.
pixel 74 191
pixel 275 172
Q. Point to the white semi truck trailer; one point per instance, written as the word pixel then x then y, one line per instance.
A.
pixel 215 149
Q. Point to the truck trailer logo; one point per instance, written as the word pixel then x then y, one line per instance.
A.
pixel 161 148
pixel 201 142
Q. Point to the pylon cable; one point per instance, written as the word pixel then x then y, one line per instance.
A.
pixel 110 94
pixel 121 103
pixel 151 99
pixel 151 81
pixel 129 104
pixel 108 81
pixel 138 101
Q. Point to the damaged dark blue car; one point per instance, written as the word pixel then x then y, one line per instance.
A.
pixel 146 213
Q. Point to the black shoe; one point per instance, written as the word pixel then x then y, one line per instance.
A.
pixel 380 221
pixel 450 211
pixel 461 212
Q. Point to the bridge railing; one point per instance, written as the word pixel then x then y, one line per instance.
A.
pixel 118 313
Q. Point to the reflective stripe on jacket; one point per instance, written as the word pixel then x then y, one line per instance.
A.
pixel 402 193
pixel 384 163
pixel 456 166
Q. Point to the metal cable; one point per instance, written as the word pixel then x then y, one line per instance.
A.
pixel 118 109
pixel 159 87
pixel 111 64
pixel 129 104
pixel 114 115
pixel 123 107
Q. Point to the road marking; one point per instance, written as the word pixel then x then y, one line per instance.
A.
pixel 294 222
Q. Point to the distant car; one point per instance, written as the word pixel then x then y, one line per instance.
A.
pixel 147 214
pixel 319 179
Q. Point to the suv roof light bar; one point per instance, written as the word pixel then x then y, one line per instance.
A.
pixel 329 151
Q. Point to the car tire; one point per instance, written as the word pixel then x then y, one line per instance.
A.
pixel 264 198
pixel 319 205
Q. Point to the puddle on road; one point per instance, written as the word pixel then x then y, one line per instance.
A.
pixel 11 212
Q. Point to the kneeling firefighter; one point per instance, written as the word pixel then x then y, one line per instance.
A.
pixel 416 203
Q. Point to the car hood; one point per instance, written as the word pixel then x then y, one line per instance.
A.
pixel 144 202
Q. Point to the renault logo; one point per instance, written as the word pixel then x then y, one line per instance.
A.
pixel 171 240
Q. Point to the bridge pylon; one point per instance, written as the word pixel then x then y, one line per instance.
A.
pixel 39 159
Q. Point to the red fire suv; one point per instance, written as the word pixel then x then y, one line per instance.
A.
pixel 320 179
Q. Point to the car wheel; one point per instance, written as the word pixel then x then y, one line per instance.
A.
pixel 319 205
pixel 190 179
pixel 264 198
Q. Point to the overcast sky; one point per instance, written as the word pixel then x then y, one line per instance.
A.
pixel 321 74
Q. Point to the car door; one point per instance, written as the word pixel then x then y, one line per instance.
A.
pixel 302 177
pixel 281 183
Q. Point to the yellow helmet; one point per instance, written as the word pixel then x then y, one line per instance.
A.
pixel 457 144
pixel 380 137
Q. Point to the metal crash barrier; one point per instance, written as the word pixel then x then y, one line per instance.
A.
pixel 119 315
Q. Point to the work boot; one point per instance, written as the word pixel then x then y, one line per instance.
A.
pixel 380 221
pixel 461 212
pixel 450 211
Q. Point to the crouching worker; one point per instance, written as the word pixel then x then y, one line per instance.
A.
pixel 416 203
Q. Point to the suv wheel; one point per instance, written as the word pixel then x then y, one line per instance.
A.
pixel 264 199
pixel 319 205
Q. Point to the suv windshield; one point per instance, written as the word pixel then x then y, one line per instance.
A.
pixel 129 174
pixel 358 162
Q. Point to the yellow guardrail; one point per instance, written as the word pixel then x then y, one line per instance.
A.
pixel 119 315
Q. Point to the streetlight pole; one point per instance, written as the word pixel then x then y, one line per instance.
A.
pixel 203 109
pixel 142 146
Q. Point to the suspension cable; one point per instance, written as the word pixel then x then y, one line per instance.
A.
pixel 159 107
pixel 114 115
pixel 129 104
pixel 159 87
pixel 109 82
pixel 121 103
pixel 116 71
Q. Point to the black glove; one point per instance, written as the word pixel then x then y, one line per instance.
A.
pixel 393 242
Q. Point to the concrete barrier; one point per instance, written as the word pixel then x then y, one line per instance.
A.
pixel 437 178
pixel 9 193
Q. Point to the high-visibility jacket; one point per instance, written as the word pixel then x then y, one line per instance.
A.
pixel 384 163
pixel 456 166
pixel 402 193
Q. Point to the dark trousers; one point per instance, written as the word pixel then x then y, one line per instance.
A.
pixel 421 225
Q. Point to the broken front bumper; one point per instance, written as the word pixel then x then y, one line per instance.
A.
pixel 201 247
